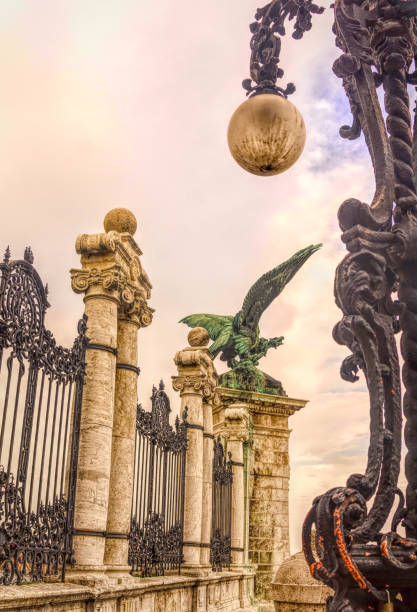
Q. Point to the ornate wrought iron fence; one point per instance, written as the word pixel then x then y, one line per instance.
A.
pixel 156 534
pixel 220 544
pixel 40 405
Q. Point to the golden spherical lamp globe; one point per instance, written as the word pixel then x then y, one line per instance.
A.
pixel 266 134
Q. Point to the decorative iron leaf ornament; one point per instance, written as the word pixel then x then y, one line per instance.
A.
pixel 265 44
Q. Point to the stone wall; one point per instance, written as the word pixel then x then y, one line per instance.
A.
pixel 225 592
pixel 267 471
pixel 269 543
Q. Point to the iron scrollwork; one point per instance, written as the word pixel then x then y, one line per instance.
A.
pixel 155 424
pixel 344 541
pixel 152 548
pixel 220 543
pixel 36 538
pixel 265 44
pixel 32 544
pixel 156 532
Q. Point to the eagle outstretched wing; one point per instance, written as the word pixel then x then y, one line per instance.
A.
pixel 219 328
pixel 270 285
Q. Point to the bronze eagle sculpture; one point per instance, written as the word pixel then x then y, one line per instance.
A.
pixel 237 337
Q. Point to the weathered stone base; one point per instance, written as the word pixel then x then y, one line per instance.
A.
pixel 294 590
pixel 227 592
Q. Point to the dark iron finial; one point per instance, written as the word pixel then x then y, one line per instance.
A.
pixel 6 257
pixel 265 44
pixel 28 255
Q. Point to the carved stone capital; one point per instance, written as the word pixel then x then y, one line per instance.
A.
pixel 236 423
pixel 216 400
pixel 196 372
pixel 105 280
pixel 111 268
pixel 212 396
pixel 195 385
pixel 133 305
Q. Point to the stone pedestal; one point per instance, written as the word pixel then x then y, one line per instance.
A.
pixel 294 589
pixel 196 380
pixel 114 284
pixel 268 472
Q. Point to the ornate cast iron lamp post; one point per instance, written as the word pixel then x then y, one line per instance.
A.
pixel 347 544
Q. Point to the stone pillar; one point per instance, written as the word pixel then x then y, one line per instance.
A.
pixel 196 379
pixel 121 476
pixel 269 473
pixel 206 517
pixel 107 280
pixel 133 314
pixel 236 432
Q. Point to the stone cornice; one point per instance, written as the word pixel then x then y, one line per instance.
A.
pixel 262 403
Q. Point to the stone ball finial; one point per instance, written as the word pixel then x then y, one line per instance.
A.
pixel 198 337
pixel 120 220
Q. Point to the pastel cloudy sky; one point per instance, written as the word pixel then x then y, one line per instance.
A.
pixel 126 103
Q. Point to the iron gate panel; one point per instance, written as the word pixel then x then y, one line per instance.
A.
pixel 40 405
pixel 156 534
pixel 220 544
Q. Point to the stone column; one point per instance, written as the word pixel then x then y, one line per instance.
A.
pixel 106 284
pixel 206 517
pixel 133 314
pixel 196 379
pixel 236 432
pixel 269 474
pixel 121 476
